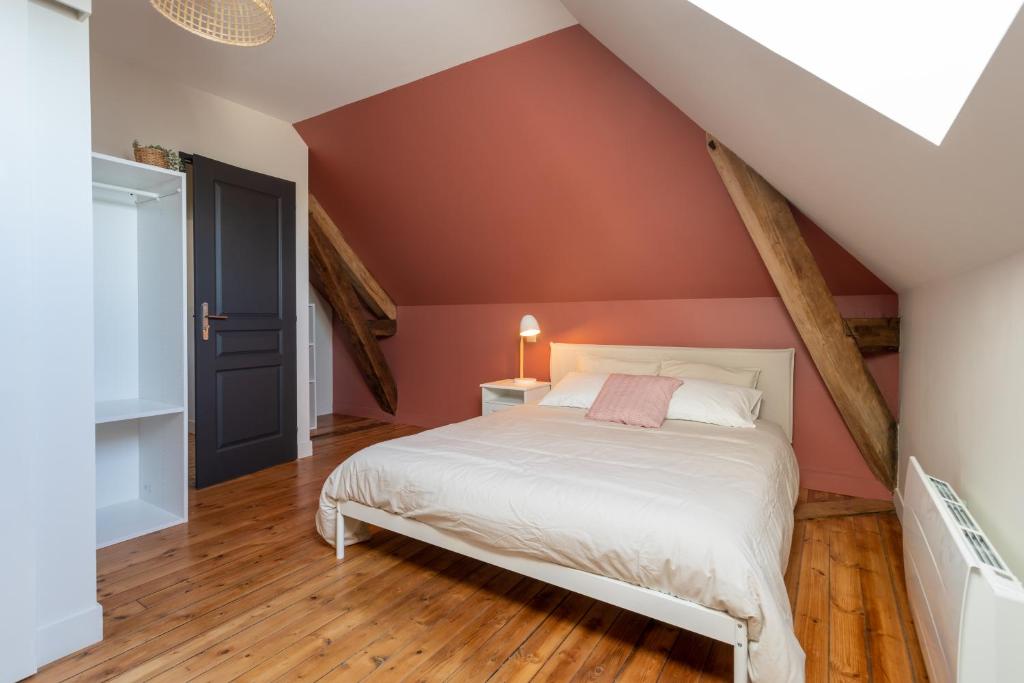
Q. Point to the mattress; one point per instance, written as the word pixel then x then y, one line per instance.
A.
pixel 701 512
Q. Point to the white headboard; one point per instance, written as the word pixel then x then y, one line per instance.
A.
pixel 776 380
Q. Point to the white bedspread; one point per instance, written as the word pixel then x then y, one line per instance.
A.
pixel 701 512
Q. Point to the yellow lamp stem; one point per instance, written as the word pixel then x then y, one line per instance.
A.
pixel 528 327
pixel 521 339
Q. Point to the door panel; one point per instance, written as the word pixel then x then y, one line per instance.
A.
pixel 249 246
pixel 248 405
pixel 241 342
pixel 244 224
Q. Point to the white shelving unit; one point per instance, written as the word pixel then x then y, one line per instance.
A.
pixel 312 367
pixel 141 327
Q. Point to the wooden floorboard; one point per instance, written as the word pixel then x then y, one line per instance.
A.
pixel 328 425
pixel 247 591
pixel 841 508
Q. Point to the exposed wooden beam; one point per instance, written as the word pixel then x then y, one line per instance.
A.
pixel 841 508
pixel 369 290
pixel 383 328
pixel 874 335
pixel 330 277
pixel 792 267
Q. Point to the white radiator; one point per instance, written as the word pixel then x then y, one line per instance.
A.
pixel 968 607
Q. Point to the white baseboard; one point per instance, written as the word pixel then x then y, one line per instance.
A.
pixel 897 502
pixel 68 635
pixel 305 448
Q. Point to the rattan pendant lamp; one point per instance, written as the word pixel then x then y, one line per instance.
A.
pixel 233 22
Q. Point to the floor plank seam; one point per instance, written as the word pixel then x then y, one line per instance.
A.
pixel 918 678
pixel 529 635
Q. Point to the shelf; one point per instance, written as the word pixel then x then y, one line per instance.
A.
pixel 132 409
pixel 122 521
pixel 143 177
pixel 503 402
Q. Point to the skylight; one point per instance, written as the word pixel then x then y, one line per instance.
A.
pixel 914 61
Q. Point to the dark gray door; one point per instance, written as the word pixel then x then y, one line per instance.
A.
pixel 244 242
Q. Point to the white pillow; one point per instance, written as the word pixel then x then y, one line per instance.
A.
pixel 575 390
pixel 699 400
pixel 739 377
pixel 607 366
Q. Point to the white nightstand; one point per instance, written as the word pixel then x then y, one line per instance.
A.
pixel 503 394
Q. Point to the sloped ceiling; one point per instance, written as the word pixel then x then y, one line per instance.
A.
pixel 326 52
pixel 909 210
pixel 549 171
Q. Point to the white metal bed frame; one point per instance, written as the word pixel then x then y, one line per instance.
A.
pixel 777 385
pixel 661 606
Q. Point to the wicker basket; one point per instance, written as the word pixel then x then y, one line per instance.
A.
pixel 151 156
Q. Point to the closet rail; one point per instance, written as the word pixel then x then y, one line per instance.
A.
pixel 149 196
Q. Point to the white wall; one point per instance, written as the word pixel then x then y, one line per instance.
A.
pixel 17 572
pixel 324 354
pixel 67 612
pixel 48 573
pixel 962 409
pixel 128 104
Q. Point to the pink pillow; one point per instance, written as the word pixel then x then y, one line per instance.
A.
pixel 638 400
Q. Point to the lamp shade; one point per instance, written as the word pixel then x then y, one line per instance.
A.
pixel 528 326
pixel 233 22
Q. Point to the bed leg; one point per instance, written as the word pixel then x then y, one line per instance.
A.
pixel 739 655
pixel 339 536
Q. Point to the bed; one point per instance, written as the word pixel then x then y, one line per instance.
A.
pixel 689 524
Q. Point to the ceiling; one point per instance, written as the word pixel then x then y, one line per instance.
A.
pixel 326 53
pixel 909 210
pixel 925 56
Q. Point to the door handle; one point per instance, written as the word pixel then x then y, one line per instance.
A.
pixel 207 317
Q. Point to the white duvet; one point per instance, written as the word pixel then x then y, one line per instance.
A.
pixel 704 513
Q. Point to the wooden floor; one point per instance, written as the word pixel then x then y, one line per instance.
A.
pixel 248 591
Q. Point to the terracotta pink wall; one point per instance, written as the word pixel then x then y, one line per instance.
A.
pixel 546 172
pixel 551 173
pixel 441 354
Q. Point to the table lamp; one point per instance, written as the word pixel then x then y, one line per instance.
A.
pixel 528 327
